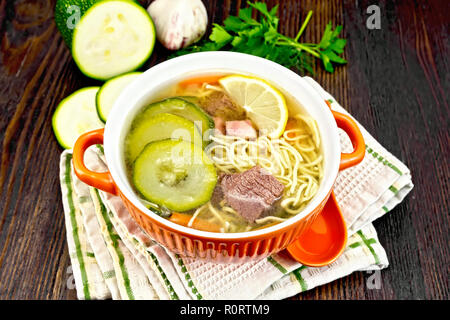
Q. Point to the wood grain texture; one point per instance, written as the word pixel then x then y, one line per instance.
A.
pixel 396 84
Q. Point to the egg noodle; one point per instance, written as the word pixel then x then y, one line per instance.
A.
pixel 294 159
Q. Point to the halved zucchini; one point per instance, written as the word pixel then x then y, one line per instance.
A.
pixel 76 114
pixel 111 38
pixel 109 92
pixel 67 15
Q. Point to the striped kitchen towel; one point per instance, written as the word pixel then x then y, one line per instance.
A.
pixel 113 258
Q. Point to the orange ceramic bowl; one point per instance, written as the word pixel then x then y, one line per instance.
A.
pixel 220 247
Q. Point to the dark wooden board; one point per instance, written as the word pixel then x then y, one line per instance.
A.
pixel 396 84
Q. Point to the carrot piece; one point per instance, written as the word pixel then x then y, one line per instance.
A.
pixel 291 124
pixel 211 79
pixel 200 224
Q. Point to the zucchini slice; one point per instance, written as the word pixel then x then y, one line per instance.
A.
pixel 109 92
pixel 159 127
pixel 75 115
pixel 111 38
pixel 177 175
pixel 183 108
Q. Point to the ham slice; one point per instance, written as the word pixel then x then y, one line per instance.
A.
pixel 240 128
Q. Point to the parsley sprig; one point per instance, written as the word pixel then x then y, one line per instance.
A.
pixel 244 34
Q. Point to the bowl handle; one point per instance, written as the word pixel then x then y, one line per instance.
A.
pixel 99 180
pixel 350 127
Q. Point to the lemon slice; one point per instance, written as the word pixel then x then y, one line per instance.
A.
pixel 264 104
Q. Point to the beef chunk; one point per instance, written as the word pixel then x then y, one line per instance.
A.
pixel 251 193
pixel 218 195
pixel 218 104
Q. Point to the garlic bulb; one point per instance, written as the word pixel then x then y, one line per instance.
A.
pixel 178 23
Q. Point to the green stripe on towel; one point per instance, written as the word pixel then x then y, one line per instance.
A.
pixel 368 243
pixel 188 278
pixel 382 160
pixel 114 238
pixel 359 243
pixel 393 189
pixel 73 222
pixel 298 275
pixel 89 255
pixel 277 265
pixel 167 283
pixel 355 245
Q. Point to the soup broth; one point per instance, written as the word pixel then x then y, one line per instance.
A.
pixel 201 157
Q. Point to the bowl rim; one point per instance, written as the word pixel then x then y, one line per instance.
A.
pixel 199 63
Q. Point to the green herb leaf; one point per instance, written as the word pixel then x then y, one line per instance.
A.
pixel 273 11
pixel 270 34
pixel 233 23
pixel 261 7
pixel 334 57
pixel 338 45
pixel 246 16
pixel 219 35
pixel 242 33
pixel 327 64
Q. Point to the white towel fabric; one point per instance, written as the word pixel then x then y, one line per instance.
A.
pixel 113 258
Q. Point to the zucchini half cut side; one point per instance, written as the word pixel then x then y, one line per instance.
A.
pixel 109 92
pixel 111 38
pixel 75 115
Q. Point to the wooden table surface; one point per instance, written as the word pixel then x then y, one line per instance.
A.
pixel 396 84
